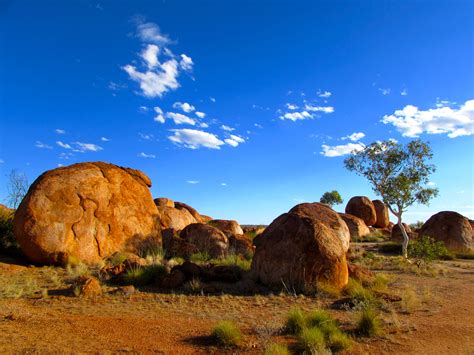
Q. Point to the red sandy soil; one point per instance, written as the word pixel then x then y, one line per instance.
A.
pixel 441 320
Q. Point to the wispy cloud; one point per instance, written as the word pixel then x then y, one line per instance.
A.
pixel 194 139
pixel 234 140
pixel 323 109
pixel 192 182
pixel 184 106
pixel 150 32
pixel 179 118
pixel 324 94
pixel 200 114
pixel 404 92
pixel 104 139
pixel 227 128
pixel 291 106
pixel 340 150
pixel 159 115
pixel 356 136
pixel 42 145
pixel 86 147
pixel 144 155
pixel 455 122
pixel 294 116
pixel 146 136
pixel 60 131
pixel 384 92
pixel 63 145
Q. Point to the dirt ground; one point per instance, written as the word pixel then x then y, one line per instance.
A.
pixel 437 317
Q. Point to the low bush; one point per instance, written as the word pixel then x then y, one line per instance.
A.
pixel 311 340
pixel 8 241
pixel 368 324
pixel 427 249
pixel 295 321
pixel 227 333
pixel 142 276
pixel 276 349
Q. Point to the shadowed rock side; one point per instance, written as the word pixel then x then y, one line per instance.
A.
pixel 451 228
pixel 86 211
pixel 397 236
pixel 184 207
pixel 381 214
pixel 303 247
pixel 357 227
pixel 362 207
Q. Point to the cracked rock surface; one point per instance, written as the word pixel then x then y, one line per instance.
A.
pixel 86 212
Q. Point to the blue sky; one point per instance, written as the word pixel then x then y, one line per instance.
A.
pixel 240 108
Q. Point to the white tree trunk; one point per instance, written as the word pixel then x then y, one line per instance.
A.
pixel 405 237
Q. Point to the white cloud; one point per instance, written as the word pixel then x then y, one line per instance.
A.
pixel 159 115
pixel 60 131
pixel 227 128
pixel 60 165
pixel 86 147
pixel 146 136
pixel 184 106
pixel 200 114
pixel 212 99
pixel 223 184
pixel 431 183
pixel 186 63
pixel 65 155
pixel 234 140
pixel 258 125
pixel 203 125
pixel 324 109
pixel 144 155
pixel 294 116
pixel 384 92
pixel 324 94
pixel 150 32
pixel 42 145
pixel 404 92
pixel 192 182
pixel 194 139
pixel 63 145
pixel 291 106
pixel 150 55
pixel 179 118
pixel 104 139
pixel 339 150
pixel 143 109
pixel 411 121
pixel 354 136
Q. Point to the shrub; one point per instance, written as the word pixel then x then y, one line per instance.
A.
pixel 200 257
pixel 427 249
pixel 311 340
pixel 368 324
pixel 355 290
pixel 7 238
pixel 227 333
pixel 142 276
pixel 295 321
pixel 233 260
pixel 276 349
pixel 339 341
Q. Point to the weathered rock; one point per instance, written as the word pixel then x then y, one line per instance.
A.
pixel 227 226
pixel 86 212
pixel 205 219
pixel 362 207
pixel 385 233
pixel 357 227
pixel 164 202
pixel 192 211
pixel 175 218
pixel 397 235
pixel 6 211
pixel 257 240
pixel 87 286
pixel 360 273
pixel 223 273
pixel 381 213
pixel 175 279
pixel 206 239
pixel 452 228
pixel 303 247
pixel 190 270
pixel 240 244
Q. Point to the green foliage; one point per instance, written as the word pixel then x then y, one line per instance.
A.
pixel 331 198
pixel 295 321
pixel 311 340
pixel 227 333
pixel 416 225
pixel 8 241
pixel 276 349
pixel 142 276
pixel 368 324
pixel 200 257
pixel 243 263
pixel 339 341
pixel 358 292
pixel 427 249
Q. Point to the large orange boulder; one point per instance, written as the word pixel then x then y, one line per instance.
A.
pixel 227 226
pixel 191 210
pixel 303 247
pixel 381 214
pixel 357 227
pixel 397 235
pixel 171 217
pixel 452 228
pixel 87 212
pixel 164 202
pixel 206 239
pixel 362 207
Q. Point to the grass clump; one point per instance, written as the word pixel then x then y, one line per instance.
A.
pixel 234 260
pixel 276 349
pixel 368 323
pixel 142 276
pixel 311 340
pixel 200 258
pixel 227 333
pixel 295 321
pixel 8 241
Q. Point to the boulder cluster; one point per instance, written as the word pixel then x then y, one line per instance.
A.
pixel 90 211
